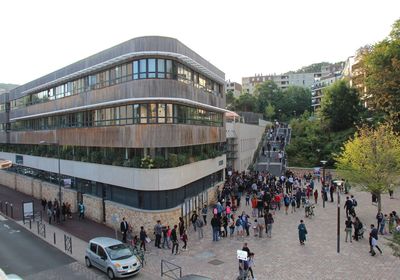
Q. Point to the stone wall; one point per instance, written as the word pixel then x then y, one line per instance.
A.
pixel 70 196
pixel 93 207
pixel 49 191
pixel 137 218
pixel 37 188
pixel 24 184
pixel 302 170
pixel 8 179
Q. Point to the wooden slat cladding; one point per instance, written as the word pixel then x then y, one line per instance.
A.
pixel 132 89
pixel 131 136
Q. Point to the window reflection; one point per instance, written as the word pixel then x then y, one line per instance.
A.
pixel 139 69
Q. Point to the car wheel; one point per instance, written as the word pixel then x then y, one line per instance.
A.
pixel 88 263
pixel 110 273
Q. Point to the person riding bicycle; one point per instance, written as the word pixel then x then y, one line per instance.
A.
pixel 308 208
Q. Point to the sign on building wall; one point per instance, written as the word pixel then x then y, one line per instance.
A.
pixel 19 159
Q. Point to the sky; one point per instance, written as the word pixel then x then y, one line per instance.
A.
pixel 241 38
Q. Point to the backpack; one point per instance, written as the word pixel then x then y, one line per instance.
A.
pixel 354 202
pixel 199 223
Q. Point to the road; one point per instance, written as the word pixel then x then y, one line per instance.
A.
pixel 31 258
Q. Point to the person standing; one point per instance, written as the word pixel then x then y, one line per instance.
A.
pixel 357 227
pixel 302 232
pixel 379 218
pixel 166 236
pixel 204 212
pixel 199 225
pixel 124 229
pixel 81 210
pixel 193 219
pixel 158 232
pixel 215 227
pixel 49 214
pixel 382 225
pixel 184 239
pixel 316 196
pixel 174 239
pixel 269 221
pixel 142 237
pixel 181 226
pixel 348 229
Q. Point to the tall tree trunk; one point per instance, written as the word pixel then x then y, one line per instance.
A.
pixel 378 196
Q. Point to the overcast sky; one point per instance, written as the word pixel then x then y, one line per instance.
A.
pixel 239 37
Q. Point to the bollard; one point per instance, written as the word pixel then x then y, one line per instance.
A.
pixel 6 208
pixel 38 228
pixel 30 223
pixel 1 206
pixel 54 236
pixel 12 211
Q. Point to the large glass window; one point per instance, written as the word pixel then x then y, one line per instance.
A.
pixel 136 70
pixel 161 113
pixel 136 113
pixel 160 68
pixel 143 68
pixel 143 113
pixel 151 68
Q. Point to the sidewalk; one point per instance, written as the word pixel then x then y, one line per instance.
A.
pixel 81 231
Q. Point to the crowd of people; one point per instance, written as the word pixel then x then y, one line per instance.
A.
pixel 56 213
pixel 264 194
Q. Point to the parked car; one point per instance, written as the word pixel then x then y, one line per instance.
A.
pixel 113 257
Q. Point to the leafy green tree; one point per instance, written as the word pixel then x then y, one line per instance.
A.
pixel 340 106
pixel 230 99
pixel 294 99
pixel 267 92
pixel 269 111
pixel 246 102
pixel 382 67
pixel 371 160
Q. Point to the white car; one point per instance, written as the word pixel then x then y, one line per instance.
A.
pixel 113 257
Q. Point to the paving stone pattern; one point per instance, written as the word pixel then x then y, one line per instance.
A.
pixel 281 257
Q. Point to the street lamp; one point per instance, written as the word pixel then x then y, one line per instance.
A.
pixel 338 183
pixel 57 143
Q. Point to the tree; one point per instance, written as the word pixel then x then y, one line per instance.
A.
pixel 246 102
pixel 294 99
pixel 230 99
pixel 340 106
pixel 371 160
pixel 382 67
pixel 269 111
pixel 267 92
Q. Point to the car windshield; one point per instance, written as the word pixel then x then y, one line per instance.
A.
pixel 119 252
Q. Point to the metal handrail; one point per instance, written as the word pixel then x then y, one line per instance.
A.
pixel 171 269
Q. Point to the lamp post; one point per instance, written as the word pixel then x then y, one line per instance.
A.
pixel 323 181
pixel 338 183
pixel 57 144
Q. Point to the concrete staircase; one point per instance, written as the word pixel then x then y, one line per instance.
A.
pixel 270 161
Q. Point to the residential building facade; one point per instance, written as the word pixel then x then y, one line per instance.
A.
pixel 317 89
pixel 233 87
pixel 138 127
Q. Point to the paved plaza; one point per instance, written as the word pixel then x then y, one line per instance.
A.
pixel 281 257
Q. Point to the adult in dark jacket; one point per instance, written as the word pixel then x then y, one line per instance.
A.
pixel 302 232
